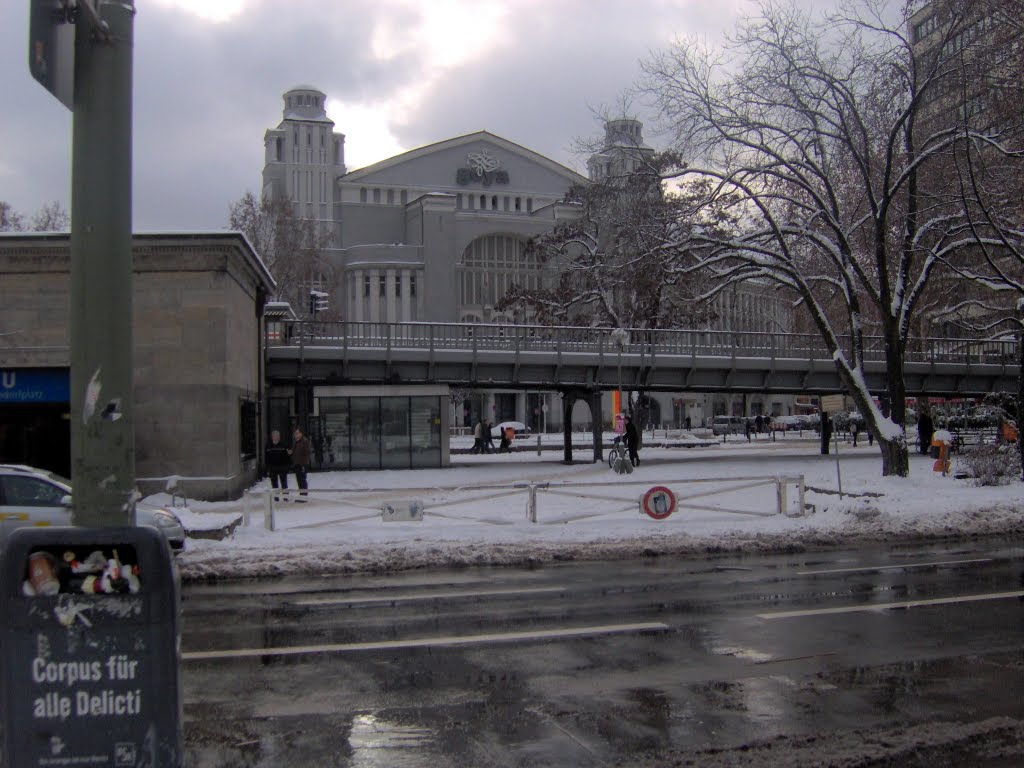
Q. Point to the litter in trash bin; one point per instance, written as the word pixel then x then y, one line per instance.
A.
pixel 98 573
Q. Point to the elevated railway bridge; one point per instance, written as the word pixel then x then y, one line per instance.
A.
pixel 581 363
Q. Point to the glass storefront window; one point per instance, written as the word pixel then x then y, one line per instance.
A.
pixel 399 432
pixel 425 418
pixel 394 429
pixel 365 433
pixel 334 424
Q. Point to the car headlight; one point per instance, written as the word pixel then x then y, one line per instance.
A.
pixel 164 519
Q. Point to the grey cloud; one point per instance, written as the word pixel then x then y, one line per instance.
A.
pixel 543 86
pixel 205 93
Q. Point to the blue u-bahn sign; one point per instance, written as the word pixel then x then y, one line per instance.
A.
pixel 34 385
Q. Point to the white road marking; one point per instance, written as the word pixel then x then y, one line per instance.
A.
pixel 417 596
pixel 894 567
pixel 425 642
pixel 888 606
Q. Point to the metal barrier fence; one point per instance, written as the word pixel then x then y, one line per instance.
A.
pixel 543 503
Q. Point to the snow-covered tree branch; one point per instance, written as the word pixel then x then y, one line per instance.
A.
pixel 812 131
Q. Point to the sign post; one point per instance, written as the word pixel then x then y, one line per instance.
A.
pixel 82 54
pixel 89 661
pixel 833 404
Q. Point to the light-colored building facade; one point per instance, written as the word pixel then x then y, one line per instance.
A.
pixel 436 234
pixel 439 234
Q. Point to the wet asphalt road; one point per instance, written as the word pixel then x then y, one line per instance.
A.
pixel 907 656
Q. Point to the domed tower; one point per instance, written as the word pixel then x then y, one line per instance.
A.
pixel 623 152
pixel 304 156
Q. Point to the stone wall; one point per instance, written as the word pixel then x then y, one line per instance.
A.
pixel 197 310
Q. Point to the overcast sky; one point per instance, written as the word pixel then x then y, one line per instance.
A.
pixel 399 74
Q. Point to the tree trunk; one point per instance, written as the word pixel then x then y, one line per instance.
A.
pixel 895 457
pixel 1020 401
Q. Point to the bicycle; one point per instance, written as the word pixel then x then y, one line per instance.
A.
pixel 618 451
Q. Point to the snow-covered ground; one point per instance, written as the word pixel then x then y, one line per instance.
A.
pixel 476 511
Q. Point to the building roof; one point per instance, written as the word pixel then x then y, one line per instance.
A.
pixel 458 141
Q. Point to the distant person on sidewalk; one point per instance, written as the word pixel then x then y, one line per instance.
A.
pixel 925 428
pixel 301 453
pixel 278 463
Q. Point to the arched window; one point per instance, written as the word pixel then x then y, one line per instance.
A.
pixel 490 266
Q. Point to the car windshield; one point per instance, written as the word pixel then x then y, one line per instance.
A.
pixel 55 477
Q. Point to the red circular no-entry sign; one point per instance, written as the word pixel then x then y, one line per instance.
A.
pixel 659 502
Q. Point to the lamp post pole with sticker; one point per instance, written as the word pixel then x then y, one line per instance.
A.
pixel 81 51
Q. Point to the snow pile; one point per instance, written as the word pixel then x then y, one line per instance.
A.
pixel 589 512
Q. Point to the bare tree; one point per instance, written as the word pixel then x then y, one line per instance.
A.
pixel 808 127
pixel 52 217
pixel 622 262
pixel 10 219
pixel 291 247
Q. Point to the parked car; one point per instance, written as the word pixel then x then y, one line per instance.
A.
pixel 518 426
pixel 728 425
pixel 789 423
pixel 37 497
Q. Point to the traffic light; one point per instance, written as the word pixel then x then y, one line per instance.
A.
pixel 318 301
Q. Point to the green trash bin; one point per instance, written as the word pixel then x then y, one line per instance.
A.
pixel 90 649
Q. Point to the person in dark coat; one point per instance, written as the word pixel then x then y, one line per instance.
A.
pixel 278 463
pixel 302 452
pixel 632 439
pixel 925 428
pixel 507 435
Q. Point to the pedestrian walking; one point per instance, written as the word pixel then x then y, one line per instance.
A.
pixel 507 435
pixel 478 437
pixel 632 439
pixel 488 438
pixel 301 453
pixel 925 428
pixel 278 462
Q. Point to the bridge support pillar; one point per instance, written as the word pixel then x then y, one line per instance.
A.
pixel 597 425
pixel 593 400
pixel 568 401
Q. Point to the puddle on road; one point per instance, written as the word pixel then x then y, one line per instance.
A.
pixel 379 743
pixel 748 654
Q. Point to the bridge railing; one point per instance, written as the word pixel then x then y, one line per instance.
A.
pixel 661 342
